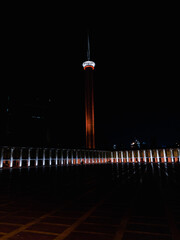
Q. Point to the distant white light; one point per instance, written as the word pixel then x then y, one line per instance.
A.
pixel 88 64
pixel 114 146
pixel 36 117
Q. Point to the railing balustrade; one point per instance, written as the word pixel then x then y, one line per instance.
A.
pixel 27 157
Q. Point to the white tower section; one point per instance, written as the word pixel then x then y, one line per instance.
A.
pixel 88 63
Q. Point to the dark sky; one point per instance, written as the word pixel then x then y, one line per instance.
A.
pixel 136 51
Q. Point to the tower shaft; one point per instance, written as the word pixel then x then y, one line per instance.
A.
pixel 89 108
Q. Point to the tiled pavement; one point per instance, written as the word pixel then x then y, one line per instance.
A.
pixel 104 202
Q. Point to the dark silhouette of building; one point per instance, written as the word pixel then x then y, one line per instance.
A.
pixel 25 120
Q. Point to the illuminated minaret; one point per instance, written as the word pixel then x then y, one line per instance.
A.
pixel 89 100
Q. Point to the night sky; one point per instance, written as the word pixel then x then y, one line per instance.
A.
pixel 136 51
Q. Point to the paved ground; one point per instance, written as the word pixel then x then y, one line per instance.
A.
pixel 104 202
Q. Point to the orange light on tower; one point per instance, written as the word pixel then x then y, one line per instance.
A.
pixel 89 101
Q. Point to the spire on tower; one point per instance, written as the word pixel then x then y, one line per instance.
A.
pixel 88 63
pixel 88 49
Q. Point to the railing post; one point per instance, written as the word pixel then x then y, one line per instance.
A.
pixel 133 156
pixel 172 157
pixel 2 157
pixel 11 157
pixel 151 157
pixel 157 153
pixel 62 157
pixel 127 157
pixel 81 159
pixel 72 158
pixel 67 157
pixel 164 155
pixel 44 156
pixel 122 157
pixel 139 158
pixel 88 156
pixel 37 156
pixel 93 156
pixel 29 157
pixel 20 157
pixel 96 157
pixel 117 158
pixel 56 162
pixel 144 156
pixel 112 157
pixel 76 156
pixel 50 157
pixel 85 157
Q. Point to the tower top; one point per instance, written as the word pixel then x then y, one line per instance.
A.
pixel 88 63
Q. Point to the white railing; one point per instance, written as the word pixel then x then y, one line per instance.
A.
pixel 27 156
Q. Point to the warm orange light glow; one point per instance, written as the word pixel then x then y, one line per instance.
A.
pixel 89 108
pixel 89 66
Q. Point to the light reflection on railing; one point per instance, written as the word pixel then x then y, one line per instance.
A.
pixel 28 157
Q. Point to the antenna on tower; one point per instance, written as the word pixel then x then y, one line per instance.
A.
pixel 88 63
pixel 88 50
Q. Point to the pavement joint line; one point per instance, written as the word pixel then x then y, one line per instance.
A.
pixel 8 214
pixel 11 224
pixel 40 232
pixel 149 233
pixel 22 228
pixel 37 220
pixel 122 227
pixel 69 230
pixel 147 224
pixel 102 224
pixel 96 233
pixel 55 224
pixel 149 217
pixel 62 217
